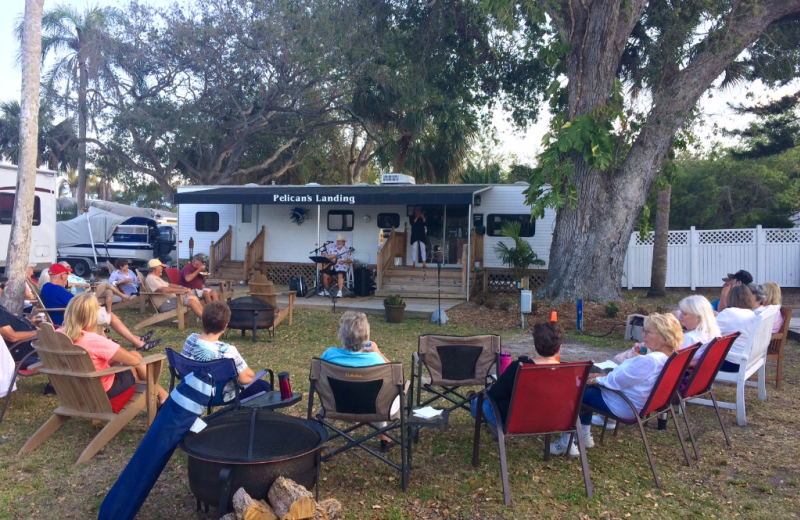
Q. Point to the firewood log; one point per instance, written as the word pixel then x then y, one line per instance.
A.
pixel 291 501
pixel 248 509
pixel 331 508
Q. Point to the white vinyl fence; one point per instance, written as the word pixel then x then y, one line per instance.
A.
pixel 702 258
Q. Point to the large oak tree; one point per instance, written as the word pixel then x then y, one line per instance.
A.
pixel 601 157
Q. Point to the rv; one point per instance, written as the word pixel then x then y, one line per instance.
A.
pixel 43 232
pixel 286 224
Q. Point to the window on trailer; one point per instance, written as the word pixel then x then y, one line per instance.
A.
pixel 340 220
pixel 7 208
pixel 388 220
pixel 206 221
pixel 247 213
pixel 494 224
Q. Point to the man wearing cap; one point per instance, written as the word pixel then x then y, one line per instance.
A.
pixel 168 293
pixel 192 277
pixel 739 277
pixel 341 254
pixel 55 296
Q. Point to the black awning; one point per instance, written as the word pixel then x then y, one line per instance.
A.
pixel 335 195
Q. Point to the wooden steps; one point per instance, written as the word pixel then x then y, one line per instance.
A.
pixel 232 270
pixel 411 282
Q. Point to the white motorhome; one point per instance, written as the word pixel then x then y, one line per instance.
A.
pixel 457 216
pixel 43 232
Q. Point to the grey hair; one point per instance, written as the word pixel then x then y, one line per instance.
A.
pixel 354 330
pixel 758 292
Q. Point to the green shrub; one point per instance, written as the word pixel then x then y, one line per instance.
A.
pixel 481 298
pixel 393 300
pixel 612 310
pixel 506 304
pixel 489 304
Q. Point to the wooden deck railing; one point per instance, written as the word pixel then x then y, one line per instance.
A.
pixel 254 253
pixel 394 246
pixel 475 250
pixel 220 250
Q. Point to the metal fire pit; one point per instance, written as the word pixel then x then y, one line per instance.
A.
pixel 251 448
pixel 250 313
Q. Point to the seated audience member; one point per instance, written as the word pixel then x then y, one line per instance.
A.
pixel 547 340
pixel 192 277
pixel 123 279
pixel 55 296
pixel 358 352
pixel 80 320
pixel 168 293
pixel 208 347
pixel 738 316
pixel 14 329
pixel 772 293
pixel 635 378
pixel 29 274
pixel 732 280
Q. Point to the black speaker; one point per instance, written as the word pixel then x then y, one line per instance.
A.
pixel 298 283
pixel 362 281
pixel 480 230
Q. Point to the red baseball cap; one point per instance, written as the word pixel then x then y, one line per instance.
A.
pixel 58 269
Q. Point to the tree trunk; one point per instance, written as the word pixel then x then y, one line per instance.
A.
pixel 82 117
pixel 403 144
pixel 658 271
pixel 19 245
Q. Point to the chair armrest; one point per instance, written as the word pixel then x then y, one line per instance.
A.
pixel 152 359
pixel 415 356
pixel 89 375
pixel 619 393
pixel 406 386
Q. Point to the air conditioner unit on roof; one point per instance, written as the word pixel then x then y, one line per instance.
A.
pixel 397 178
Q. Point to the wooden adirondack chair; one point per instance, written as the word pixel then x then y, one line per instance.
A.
pixel 39 306
pixel 262 288
pixel 80 391
pixel 179 312
pixel 122 305
pixel 776 346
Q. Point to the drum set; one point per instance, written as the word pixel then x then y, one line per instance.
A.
pixel 325 261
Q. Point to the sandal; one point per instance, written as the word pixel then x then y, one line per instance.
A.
pixel 147 336
pixel 150 345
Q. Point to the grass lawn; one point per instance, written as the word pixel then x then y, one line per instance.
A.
pixel 758 478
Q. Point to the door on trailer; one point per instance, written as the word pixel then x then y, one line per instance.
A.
pixel 246 228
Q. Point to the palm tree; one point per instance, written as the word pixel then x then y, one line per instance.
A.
pixel 56 142
pixel 68 183
pixel 519 257
pixel 76 38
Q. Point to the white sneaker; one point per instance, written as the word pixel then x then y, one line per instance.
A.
pixel 559 448
pixel 325 293
pixel 339 294
pixel 597 420
pixel 588 441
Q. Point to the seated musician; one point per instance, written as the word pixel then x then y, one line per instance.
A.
pixel 341 255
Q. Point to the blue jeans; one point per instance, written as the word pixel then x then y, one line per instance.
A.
pixel 727 366
pixel 594 398
pixel 488 411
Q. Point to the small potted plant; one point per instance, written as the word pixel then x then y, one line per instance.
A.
pixel 394 307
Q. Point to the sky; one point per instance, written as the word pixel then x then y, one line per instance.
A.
pixel 523 145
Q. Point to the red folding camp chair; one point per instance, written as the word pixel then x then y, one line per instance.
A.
pixel 546 400
pixel 700 382
pixel 174 275
pixel 659 401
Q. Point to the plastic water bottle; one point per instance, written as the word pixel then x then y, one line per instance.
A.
pixel 91 278
pixel 580 315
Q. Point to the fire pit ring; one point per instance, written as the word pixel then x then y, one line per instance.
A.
pixel 251 313
pixel 250 448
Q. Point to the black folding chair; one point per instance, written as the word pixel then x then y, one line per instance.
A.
pixel 368 396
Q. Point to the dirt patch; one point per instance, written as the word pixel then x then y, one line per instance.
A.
pixel 571 350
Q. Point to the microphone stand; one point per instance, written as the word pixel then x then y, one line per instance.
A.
pixel 438 254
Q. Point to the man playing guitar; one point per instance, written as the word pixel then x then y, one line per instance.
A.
pixel 342 258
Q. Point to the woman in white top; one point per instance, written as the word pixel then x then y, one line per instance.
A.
pixel 738 316
pixel 698 322
pixel 635 377
pixel 772 291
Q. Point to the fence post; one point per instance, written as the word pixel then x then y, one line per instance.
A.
pixel 694 257
pixel 761 254
pixel 628 275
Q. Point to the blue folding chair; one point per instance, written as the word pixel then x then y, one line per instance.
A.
pixel 221 370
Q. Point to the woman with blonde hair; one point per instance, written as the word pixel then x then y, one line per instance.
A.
pixel 635 378
pixel 80 320
pixel 698 321
pixel 772 291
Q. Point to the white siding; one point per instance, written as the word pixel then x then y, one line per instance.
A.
pixel 511 200
pixel 186 221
